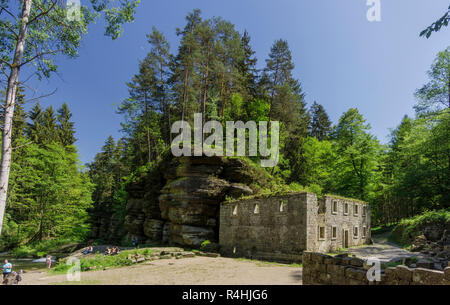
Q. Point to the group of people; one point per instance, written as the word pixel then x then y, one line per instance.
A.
pixel 113 251
pixel 88 250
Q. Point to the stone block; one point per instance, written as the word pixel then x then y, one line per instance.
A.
pixel 423 276
pixel 318 257
pixel 357 262
pixel 347 261
pixel 306 257
pixel 329 261
pixel 447 273
pixel 356 274
pixel 404 273
pixel 322 268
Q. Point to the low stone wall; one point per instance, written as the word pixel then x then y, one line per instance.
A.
pixel 321 269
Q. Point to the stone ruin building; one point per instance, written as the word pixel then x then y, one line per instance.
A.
pixel 282 227
pixel 184 201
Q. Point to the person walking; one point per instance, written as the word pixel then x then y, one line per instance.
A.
pixel 48 261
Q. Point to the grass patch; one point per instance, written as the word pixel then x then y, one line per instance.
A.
pixel 383 228
pixel 100 261
pixel 390 264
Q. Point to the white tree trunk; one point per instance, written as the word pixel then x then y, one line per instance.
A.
pixel 9 108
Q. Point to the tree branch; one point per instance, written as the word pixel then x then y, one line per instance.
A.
pixel 43 13
pixel 39 55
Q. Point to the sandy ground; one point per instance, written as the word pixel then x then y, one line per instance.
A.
pixel 187 271
pixel 210 271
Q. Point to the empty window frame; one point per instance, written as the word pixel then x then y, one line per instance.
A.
pixel 355 232
pixel 364 232
pixel 321 233
pixel 235 210
pixel 364 211
pixel 283 205
pixel 334 207
pixel 355 209
pixel 333 232
pixel 256 209
pixel 346 208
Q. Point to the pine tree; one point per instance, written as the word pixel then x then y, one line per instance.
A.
pixel 140 107
pixel 106 172
pixel 320 123
pixel 184 75
pixel 205 35
pixel 159 60
pixel 247 67
pixel 66 128
pixel 228 53
pixel 278 71
pixel 49 126
pixel 35 127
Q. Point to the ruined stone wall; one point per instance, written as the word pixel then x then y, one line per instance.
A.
pixel 321 269
pixel 337 221
pixel 284 226
pixel 269 228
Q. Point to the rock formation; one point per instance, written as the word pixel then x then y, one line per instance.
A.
pixel 179 203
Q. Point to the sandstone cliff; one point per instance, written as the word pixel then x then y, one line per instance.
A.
pixel 179 202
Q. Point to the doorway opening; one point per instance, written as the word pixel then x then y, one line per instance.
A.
pixel 345 239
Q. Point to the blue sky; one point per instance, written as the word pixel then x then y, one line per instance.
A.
pixel 341 59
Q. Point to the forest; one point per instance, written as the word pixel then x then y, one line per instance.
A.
pixel 214 72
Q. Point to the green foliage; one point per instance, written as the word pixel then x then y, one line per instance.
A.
pixel 51 32
pixel 319 159
pixel 436 26
pixel 409 228
pixel 205 244
pixel 415 175
pixel 320 126
pixel 41 249
pixel 49 191
pixel 355 173
pixel 258 110
pixel 435 95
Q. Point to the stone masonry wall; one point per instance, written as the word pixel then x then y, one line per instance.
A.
pixel 270 228
pixel 321 269
pixel 281 227
pixel 337 222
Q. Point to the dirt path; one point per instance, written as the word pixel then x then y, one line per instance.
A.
pixel 384 250
pixel 197 271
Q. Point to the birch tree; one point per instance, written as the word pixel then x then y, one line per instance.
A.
pixel 32 33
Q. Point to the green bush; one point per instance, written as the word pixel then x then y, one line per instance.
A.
pixel 204 245
pixel 408 229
